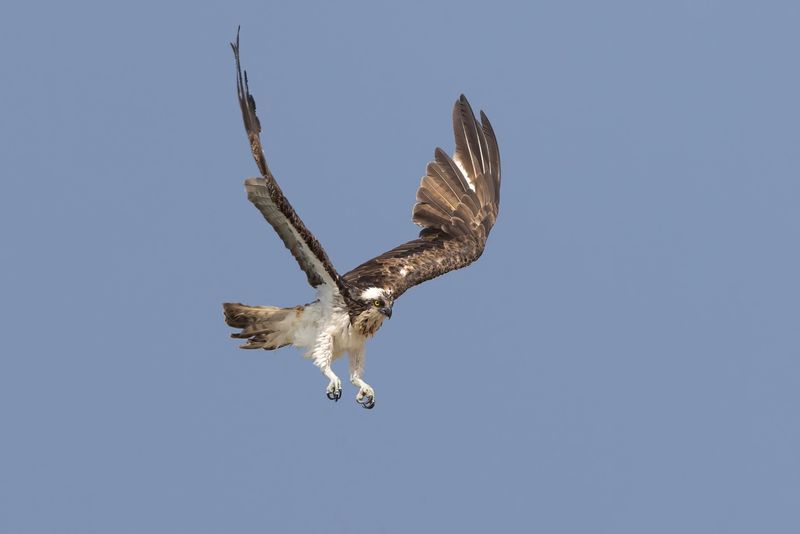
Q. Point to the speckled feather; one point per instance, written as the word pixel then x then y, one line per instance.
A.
pixel 456 209
pixel 457 205
pixel 266 195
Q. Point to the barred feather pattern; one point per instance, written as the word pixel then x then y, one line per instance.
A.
pixel 457 205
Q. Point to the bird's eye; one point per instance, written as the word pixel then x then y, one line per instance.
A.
pixel 377 303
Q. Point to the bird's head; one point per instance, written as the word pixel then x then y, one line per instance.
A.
pixel 377 300
pixel 375 306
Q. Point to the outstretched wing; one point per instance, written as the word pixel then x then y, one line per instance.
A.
pixel 457 205
pixel 267 196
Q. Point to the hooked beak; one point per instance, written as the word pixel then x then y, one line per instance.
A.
pixel 387 312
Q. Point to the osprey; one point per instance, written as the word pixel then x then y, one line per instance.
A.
pixel 456 206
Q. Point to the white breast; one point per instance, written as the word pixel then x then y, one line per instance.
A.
pixel 327 315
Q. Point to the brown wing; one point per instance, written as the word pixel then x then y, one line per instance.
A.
pixel 267 196
pixel 457 205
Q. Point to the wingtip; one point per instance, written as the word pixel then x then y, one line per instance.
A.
pixel 235 44
pixel 463 108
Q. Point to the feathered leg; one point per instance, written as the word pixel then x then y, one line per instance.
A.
pixel 323 357
pixel 366 395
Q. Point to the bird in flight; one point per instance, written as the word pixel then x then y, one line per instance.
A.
pixel 456 206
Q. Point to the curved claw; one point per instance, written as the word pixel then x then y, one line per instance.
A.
pixel 367 402
pixel 334 395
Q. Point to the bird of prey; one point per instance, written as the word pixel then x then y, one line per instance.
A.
pixel 456 206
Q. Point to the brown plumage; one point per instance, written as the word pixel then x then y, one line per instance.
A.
pixel 456 205
pixel 267 196
pixel 455 217
pixel 264 327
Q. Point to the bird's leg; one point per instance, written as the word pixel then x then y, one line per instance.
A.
pixel 334 390
pixel 323 357
pixel 366 395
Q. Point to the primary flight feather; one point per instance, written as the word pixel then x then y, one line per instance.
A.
pixel 457 205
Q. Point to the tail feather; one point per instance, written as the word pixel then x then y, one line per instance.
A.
pixel 265 327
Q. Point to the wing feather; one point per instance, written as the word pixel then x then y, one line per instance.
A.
pixel 493 153
pixel 438 194
pixel 470 142
pixel 266 195
pixel 457 206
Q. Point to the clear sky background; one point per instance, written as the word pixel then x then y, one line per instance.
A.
pixel 625 358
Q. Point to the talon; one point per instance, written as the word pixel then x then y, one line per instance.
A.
pixel 367 401
pixel 334 393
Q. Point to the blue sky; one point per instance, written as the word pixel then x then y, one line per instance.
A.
pixel 622 359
